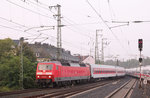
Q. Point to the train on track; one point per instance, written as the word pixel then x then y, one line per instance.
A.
pixel 62 73
pixel 135 72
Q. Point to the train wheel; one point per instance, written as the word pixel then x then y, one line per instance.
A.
pixel 54 85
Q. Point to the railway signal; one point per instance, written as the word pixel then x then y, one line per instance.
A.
pixel 140 44
pixel 140 60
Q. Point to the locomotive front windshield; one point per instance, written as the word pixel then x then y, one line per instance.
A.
pixel 45 67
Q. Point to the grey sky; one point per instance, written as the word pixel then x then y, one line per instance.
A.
pixel 81 23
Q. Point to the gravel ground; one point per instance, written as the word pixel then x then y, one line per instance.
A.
pixel 143 92
pixel 103 91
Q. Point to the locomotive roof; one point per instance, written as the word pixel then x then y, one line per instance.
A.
pixel 106 66
pixel 67 64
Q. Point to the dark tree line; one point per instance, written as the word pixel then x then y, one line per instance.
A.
pixel 10 66
pixel 129 63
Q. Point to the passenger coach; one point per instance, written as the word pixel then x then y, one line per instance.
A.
pixel 145 72
pixel 106 71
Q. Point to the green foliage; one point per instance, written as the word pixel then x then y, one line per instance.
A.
pixel 6 47
pixel 29 73
pixel 5 88
pixel 10 66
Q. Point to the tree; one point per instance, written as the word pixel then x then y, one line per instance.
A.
pixel 10 65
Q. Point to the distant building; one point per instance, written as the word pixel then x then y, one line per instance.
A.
pixel 86 59
pixel 49 52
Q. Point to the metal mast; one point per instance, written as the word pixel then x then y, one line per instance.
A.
pixel 59 43
pixel 97 60
pixel 21 60
pixel 102 50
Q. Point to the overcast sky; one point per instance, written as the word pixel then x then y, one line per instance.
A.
pixel 81 22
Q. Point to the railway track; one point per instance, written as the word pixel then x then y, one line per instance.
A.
pixel 57 92
pixel 124 91
pixel 70 92
pixel 18 92
pixel 21 93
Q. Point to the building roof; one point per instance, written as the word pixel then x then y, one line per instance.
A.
pixel 50 51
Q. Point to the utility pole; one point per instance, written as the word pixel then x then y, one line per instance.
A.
pixel 102 55
pixel 96 47
pixel 97 60
pixel 59 42
pixel 103 43
pixel 117 62
pixel 90 44
pixel 21 61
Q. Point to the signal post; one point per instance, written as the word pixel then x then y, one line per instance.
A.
pixel 140 46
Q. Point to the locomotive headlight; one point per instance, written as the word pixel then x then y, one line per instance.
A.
pixel 38 76
pixel 49 76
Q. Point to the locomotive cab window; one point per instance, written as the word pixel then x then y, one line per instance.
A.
pixel 45 67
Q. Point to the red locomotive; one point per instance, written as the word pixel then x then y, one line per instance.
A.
pixel 56 73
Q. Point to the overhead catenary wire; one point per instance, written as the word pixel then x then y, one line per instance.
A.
pixel 69 27
pixel 16 23
pixel 52 12
pixel 67 19
pixel 11 28
pixel 19 23
pixel 46 6
pixel 105 24
pixel 29 10
pixel 65 42
pixel 113 16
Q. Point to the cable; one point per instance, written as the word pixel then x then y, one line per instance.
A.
pixel 102 19
pixel 105 24
pixel 15 23
pixel 12 22
pixel 41 6
pixel 30 10
pixel 83 24
pixel 72 22
pixel 71 45
pixel 36 37
pixel 111 10
pixel 113 15
pixel 11 28
pixel 78 32
pixel 52 12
